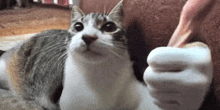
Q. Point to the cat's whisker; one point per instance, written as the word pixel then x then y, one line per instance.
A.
pixel 59 59
pixel 120 47
pixel 116 54
pixel 121 43
pixel 50 48
pixel 116 44
pixel 64 55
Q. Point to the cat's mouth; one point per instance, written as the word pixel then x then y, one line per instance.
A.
pixel 88 51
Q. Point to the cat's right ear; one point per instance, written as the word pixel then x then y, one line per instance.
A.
pixel 76 13
pixel 117 12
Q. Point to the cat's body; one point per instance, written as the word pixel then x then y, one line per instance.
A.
pixel 110 85
pixel 93 58
pixel 36 68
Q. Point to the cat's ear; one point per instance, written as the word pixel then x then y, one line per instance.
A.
pixel 117 12
pixel 76 13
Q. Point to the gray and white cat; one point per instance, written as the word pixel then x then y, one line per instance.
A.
pixel 87 67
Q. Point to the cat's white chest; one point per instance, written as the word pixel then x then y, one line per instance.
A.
pixel 77 94
pixel 98 93
pixel 104 87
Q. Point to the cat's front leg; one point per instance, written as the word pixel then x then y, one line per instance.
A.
pixel 179 78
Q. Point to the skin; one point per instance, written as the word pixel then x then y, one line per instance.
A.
pixel 191 18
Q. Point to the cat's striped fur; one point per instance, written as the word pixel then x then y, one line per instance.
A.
pixel 36 68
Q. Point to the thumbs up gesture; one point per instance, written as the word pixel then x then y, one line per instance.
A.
pixel 179 78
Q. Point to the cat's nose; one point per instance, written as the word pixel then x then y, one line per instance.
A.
pixel 89 39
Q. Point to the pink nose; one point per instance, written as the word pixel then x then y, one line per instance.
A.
pixel 89 39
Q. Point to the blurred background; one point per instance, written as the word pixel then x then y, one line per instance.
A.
pixel 33 16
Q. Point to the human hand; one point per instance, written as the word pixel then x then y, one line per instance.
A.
pixel 179 78
pixel 192 15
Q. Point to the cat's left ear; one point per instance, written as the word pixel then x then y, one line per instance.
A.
pixel 76 13
pixel 117 12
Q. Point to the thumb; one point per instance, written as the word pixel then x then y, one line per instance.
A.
pixel 191 18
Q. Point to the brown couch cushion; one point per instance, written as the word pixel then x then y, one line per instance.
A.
pixel 154 21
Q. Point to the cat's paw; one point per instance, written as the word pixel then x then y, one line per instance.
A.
pixel 179 78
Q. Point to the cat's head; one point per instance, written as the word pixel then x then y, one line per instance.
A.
pixel 97 37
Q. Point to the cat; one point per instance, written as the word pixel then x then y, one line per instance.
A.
pixel 86 67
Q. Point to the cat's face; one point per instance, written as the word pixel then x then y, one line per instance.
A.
pixel 97 37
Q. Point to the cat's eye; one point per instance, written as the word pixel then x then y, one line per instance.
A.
pixel 78 26
pixel 109 27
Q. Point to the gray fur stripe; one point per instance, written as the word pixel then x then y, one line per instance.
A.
pixel 44 53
